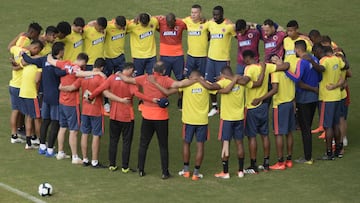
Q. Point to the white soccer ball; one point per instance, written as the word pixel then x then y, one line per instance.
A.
pixel 45 189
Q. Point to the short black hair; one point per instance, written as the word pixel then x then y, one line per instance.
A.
pixel 269 22
pixel 328 49
pixel 35 26
pixel 144 18
pixel 102 22
pixel 99 62
pixel 219 8
pixel 51 29
pixel 64 27
pixel 293 23
pixel 248 53
pixel 314 33
pixel 121 21
pixel 317 46
pixel 79 21
pixel 226 68
pixel 56 48
pixel 196 6
pixel 83 56
pixel 159 67
pixel 240 25
pixel 325 39
pixel 301 44
pixel 38 43
pixel 129 65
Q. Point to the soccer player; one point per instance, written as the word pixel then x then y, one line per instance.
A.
pixel 24 38
pixel 64 29
pixel 248 39
pixel 257 112
pixel 94 39
pixel 142 42
pixel 114 49
pixel 74 43
pixel 315 36
pixel 197 41
pixel 50 80
pixel 91 114
pixel 121 114
pixel 48 39
pixel 221 33
pixel 307 77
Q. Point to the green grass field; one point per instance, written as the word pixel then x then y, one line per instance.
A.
pixel 335 181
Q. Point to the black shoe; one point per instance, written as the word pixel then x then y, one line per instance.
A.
pixel 99 165
pixel 142 173
pixel 165 176
pixel 251 170
pixel 326 157
pixel 86 163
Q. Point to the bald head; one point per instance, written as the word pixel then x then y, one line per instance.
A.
pixel 170 20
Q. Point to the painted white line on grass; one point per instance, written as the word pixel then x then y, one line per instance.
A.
pixel 20 193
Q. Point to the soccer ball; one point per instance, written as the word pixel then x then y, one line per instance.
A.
pixel 45 189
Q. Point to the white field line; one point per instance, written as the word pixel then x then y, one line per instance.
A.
pixel 20 193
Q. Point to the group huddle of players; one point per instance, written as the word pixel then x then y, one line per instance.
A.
pixel 298 74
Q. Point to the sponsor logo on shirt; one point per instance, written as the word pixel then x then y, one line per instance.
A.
pixel 245 43
pixel 235 88
pixel 217 36
pixel 194 33
pixel 146 34
pixel 336 66
pixel 290 52
pixel 117 78
pixel 169 33
pixel 78 43
pixel 119 36
pixel 97 41
pixel 270 45
pixel 196 90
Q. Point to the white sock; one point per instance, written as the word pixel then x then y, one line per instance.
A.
pixel 75 156
pixel 214 103
pixel 61 152
pixel 94 162
pixel 85 160
pixel 42 146
pixel 50 150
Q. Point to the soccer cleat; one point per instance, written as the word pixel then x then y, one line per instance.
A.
pixel 288 163
pixel 125 170
pixel 62 155
pixel 42 151
pixel 326 157
pixel 142 173
pixel 213 111
pixel 113 168
pixel 107 108
pixel 49 155
pixel 35 141
pixel 27 147
pixel 16 140
pixel 76 161
pixel 240 174
pixel 251 170
pixel 98 165
pixel 345 141
pixel 185 174
pixel 86 163
pixel 278 166
pixel 304 161
pixel 322 136
pixel 196 177
pixel 264 167
pixel 222 175
pixel 318 130
pixel 165 175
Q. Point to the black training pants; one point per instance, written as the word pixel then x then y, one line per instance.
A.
pixel 305 115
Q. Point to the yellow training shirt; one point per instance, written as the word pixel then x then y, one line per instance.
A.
pixel 220 40
pixel 197 37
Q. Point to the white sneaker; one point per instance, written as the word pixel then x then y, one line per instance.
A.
pixel 212 112
pixel 76 161
pixel 345 142
pixel 62 155
pixel 241 174
pixel 107 108
pixel 17 140
pixel 31 147
pixel 36 141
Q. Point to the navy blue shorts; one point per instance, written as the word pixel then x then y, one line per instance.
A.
pixel 240 69
pixel 257 121
pixel 284 118
pixel 30 107
pixel 195 63
pixel 50 111
pixel 343 109
pixel 200 131
pixel 213 69
pixel 144 65
pixel 331 114
pixel 231 129
pixel 92 124
pixel 14 98
pixel 69 117
pixel 174 63
pixel 114 65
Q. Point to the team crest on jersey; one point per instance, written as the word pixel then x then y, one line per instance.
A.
pixel 223 30
pixel 201 27
pixel 275 37
pixel 250 35
pixel 176 28
pixel 151 26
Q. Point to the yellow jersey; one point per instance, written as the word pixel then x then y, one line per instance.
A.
pixel 142 39
pixel 114 40
pixel 220 40
pixel 253 71
pixel 74 45
pixel 28 88
pixel 93 44
pixel 47 49
pixel 197 37
pixel 23 41
pixel 286 90
pixel 17 74
pixel 289 47
pixel 232 104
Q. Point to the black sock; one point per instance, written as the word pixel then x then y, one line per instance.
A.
pixel 266 161
pixel 28 141
pixel 281 159
pixel 253 162
pixel 225 166
pixel 14 136
pixel 329 152
pixel 289 157
pixel 197 167
pixel 241 164
pixel 33 137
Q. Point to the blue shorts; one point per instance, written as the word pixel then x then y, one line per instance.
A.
pixel 50 111
pixel 284 118
pixel 231 129
pixel 144 65
pixel 343 109
pixel 174 63
pixel 92 124
pixel 200 131
pixel 240 69
pixel 257 121
pixel 213 69
pixel 114 65
pixel 14 98
pixel 69 117
pixel 331 114
pixel 195 63
pixel 30 107
pixel 89 67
